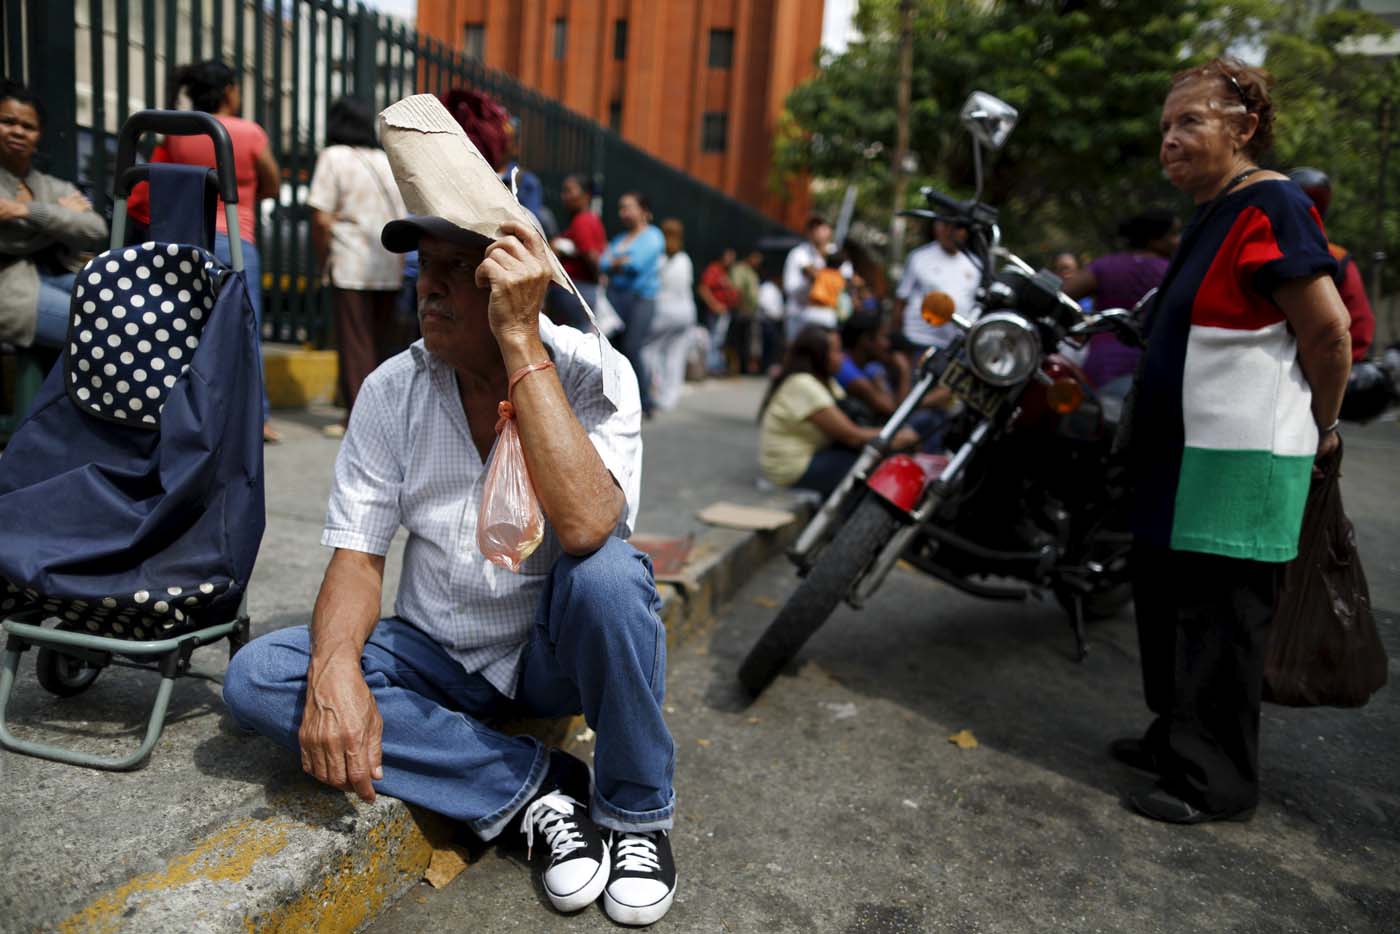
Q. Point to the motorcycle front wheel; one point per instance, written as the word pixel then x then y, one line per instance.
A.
pixel 838 567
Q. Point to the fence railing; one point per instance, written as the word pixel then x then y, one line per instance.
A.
pixel 295 58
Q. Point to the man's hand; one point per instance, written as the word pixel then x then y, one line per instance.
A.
pixel 516 270
pixel 75 202
pixel 11 210
pixel 341 731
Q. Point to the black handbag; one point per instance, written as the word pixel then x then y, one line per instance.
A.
pixel 1324 649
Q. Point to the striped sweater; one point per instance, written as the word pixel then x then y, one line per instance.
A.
pixel 1224 436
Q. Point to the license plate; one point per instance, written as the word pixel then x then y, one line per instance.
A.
pixel 964 384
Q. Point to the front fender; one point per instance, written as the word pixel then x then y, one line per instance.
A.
pixel 902 478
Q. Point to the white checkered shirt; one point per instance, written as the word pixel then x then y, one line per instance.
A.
pixel 408 459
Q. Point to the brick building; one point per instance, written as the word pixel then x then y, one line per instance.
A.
pixel 698 83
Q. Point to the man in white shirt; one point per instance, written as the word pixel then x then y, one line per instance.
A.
pixel 938 266
pixel 800 269
pixel 396 706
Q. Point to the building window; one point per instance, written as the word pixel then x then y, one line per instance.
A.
pixel 620 39
pixel 615 115
pixel 714 132
pixel 474 41
pixel 721 48
pixel 561 38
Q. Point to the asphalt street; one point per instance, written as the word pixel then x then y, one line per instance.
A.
pixel 837 803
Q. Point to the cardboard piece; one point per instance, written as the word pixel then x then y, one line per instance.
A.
pixel 746 518
pixel 441 173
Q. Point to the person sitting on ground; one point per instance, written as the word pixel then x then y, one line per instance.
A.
pixel 397 706
pixel 869 374
pixel 804 438
pixel 45 223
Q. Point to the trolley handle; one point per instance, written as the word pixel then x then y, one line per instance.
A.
pixel 181 123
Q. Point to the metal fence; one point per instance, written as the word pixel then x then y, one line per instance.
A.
pixel 93 62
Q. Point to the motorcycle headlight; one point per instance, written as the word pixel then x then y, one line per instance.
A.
pixel 1003 348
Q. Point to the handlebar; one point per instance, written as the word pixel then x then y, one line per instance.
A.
pixel 180 123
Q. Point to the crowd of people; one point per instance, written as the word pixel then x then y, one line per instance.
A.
pixel 579 630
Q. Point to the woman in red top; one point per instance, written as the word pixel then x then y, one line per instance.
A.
pixel 213 88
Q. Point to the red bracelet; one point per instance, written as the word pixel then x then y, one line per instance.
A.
pixel 525 371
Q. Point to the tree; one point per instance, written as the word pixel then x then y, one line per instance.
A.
pixel 1330 100
pixel 1089 77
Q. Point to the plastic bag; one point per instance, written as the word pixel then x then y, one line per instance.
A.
pixel 510 525
pixel 1324 649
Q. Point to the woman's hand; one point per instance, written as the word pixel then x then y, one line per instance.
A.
pixel 11 210
pixel 75 202
pixel 1327 444
pixel 904 439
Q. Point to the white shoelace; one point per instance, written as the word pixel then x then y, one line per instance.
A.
pixel 554 815
pixel 637 851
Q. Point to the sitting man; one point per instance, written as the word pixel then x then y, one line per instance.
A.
pixel 396 706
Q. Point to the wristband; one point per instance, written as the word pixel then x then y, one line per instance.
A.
pixel 525 371
pixel 1332 427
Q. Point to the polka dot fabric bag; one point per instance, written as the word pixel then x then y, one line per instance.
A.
pixel 131 498
pixel 137 318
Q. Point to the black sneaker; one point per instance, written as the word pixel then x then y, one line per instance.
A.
pixel 577 866
pixel 642 882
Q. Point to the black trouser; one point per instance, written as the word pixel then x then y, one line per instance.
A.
pixel 1203 627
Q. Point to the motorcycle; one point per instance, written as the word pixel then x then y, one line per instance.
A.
pixel 1031 497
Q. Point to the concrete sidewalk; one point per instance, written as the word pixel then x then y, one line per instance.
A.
pixel 221 831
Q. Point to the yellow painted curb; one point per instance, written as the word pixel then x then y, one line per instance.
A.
pixel 297 377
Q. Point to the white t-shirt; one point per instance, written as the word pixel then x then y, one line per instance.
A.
pixel 770 301
pixel 797 286
pixel 675 299
pixel 356 185
pixel 931 269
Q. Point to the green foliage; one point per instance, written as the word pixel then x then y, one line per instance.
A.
pixel 1089 77
pixel 1329 105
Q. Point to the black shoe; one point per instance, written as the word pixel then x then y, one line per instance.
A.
pixel 573 851
pixel 642 882
pixel 1160 804
pixel 1135 754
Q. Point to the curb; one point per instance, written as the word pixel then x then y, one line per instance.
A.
pixel 327 862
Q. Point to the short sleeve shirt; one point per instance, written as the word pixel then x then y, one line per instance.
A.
pixel 249 140
pixel 786 439
pixel 1224 438
pixel 356 186
pixel 408 460
pixel 930 268
pixel 586 231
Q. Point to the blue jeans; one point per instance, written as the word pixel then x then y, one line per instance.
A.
pixel 54 309
pixel 636 313
pixel 598 647
pixel 252 269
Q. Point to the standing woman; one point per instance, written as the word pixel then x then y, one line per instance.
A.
pixel 45 223
pixel 674 322
pixel 353 195
pixel 632 263
pixel 213 88
pixel 1240 387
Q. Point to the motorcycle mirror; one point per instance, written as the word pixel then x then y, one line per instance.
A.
pixel 938 308
pixel 989 119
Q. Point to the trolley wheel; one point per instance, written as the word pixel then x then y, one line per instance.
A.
pixel 64 675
